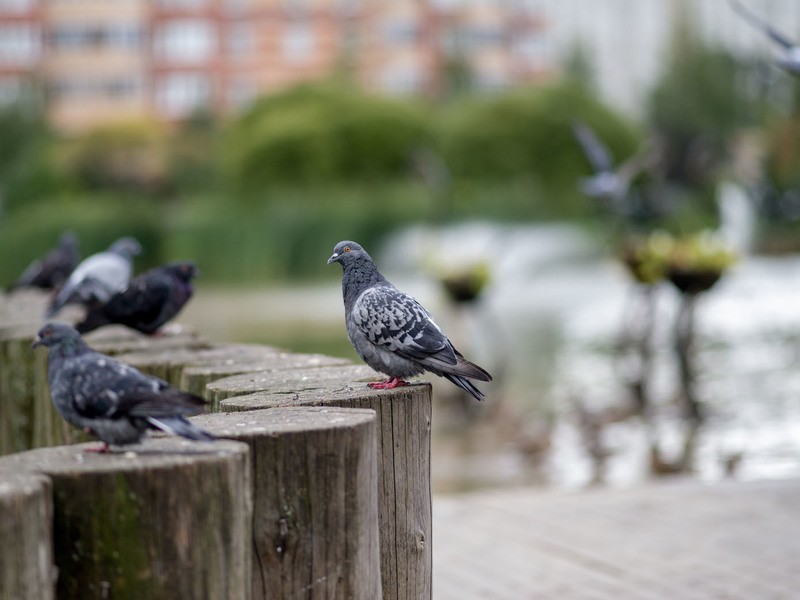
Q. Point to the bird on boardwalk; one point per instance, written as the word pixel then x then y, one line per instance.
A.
pixel 392 332
pixel 150 300
pixel 54 268
pixel 789 59
pixel 98 277
pixel 110 399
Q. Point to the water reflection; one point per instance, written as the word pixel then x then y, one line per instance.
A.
pixel 550 324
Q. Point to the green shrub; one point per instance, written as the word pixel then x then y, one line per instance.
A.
pixel 528 133
pixel 323 133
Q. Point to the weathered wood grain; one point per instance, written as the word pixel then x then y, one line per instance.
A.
pixel 315 500
pixel 404 429
pixel 27 571
pixel 169 521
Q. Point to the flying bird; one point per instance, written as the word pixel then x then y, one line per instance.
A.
pixel 392 332
pixel 789 58
pixel 609 183
pixel 98 277
pixel 150 300
pixel 54 268
pixel 110 399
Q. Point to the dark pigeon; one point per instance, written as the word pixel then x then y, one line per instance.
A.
pixel 110 399
pixel 149 301
pixel 51 271
pixel 392 332
pixel 98 277
pixel 789 59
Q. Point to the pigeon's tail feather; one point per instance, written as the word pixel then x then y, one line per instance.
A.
pixel 470 369
pixel 180 426
pixel 465 384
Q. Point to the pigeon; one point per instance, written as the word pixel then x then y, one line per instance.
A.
pixel 789 60
pixel 98 277
pixel 392 332
pixel 149 301
pixel 51 271
pixel 109 399
pixel 608 184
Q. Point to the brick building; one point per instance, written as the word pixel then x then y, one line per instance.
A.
pixel 98 60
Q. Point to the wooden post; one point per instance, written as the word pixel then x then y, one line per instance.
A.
pixel 26 555
pixel 201 380
pixel 170 520
pixel 315 500
pixel 404 429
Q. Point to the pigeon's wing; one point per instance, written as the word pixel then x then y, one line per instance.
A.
pixel 759 23
pixel 102 386
pixel 643 159
pixel 397 322
pixel 143 299
pixel 109 270
pixel 597 152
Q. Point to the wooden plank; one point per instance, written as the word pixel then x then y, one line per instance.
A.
pixel 315 500
pixel 27 571
pixel 170 520
pixel 404 429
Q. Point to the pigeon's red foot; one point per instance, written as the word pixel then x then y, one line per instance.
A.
pixel 104 449
pixel 389 384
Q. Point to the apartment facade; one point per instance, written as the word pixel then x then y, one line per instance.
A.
pixel 92 61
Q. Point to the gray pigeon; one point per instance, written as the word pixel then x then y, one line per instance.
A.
pixel 789 59
pixel 98 277
pixel 392 332
pixel 109 399
pixel 150 300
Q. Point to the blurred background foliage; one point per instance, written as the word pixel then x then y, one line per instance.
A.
pixel 263 196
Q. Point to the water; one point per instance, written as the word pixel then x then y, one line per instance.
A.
pixel 548 327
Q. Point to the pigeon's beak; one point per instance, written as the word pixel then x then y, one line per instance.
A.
pixel 334 258
pixel 37 341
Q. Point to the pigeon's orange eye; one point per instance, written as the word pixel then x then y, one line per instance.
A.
pixel 347 248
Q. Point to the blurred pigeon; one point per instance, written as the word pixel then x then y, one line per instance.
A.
pixel 98 277
pixel 609 184
pixel 51 271
pixel 110 399
pixel 392 332
pixel 150 300
pixel 789 59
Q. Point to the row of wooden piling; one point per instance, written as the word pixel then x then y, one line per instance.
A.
pixel 320 489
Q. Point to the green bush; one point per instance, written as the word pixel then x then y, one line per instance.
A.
pixel 528 133
pixel 323 133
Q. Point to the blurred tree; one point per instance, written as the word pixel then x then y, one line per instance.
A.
pixel 578 66
pixel 699 102
pixel 128 157
pixel 27 168
pixel 323 133
pixel 527 134
pixel 193 154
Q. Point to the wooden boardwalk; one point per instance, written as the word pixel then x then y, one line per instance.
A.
pixel 680 539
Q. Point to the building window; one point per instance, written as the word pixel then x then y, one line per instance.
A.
pixel 115 35
pixel 190 40
pixel 241 40
pixel 298 41
pixel 180 94
pixel 479 38
pixel 16 6
pixel 400 33
pixel 182 4
pixel 76 88
pixel 19 44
